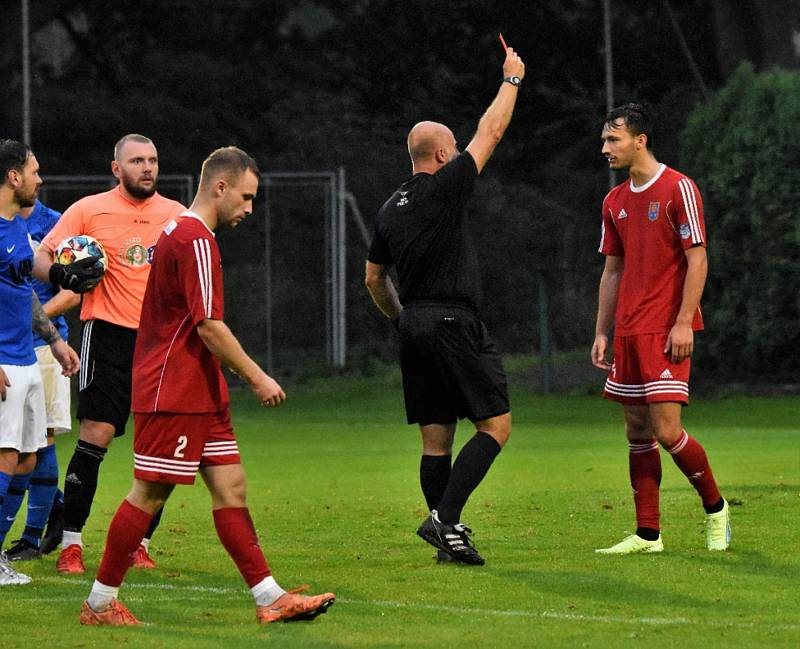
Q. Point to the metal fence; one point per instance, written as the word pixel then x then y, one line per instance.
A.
pixel 59 192
pixel 286 266
pixel 294 288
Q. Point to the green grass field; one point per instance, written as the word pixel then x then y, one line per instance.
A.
pixel 333 490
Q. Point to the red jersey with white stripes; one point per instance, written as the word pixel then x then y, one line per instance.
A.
pixel 173 370
pixel 650 227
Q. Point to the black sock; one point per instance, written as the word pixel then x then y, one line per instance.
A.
pixel 647 533
pixel 154 524
pixel 434 472
pixel 32 532
pixel 470 467
pixel 716 507
pixel 56 511
pixel 80 484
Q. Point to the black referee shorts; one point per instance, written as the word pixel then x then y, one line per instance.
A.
pixel 451 367
pixel 105 376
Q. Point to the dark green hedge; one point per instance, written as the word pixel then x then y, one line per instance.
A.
pixel 743 149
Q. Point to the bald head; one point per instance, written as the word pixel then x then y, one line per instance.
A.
pixel 431 143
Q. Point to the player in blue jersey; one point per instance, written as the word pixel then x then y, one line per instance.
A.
pixel 45 500
pixel 22 415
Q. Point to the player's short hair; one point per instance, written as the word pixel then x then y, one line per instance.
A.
pixel 228 161
pixel 130 137
pixel 636 118
pixel 13 155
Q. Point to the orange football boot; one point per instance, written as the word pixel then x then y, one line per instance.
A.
pixel 70 561
pixel 142 560
pixel 117 614
pixel 292 607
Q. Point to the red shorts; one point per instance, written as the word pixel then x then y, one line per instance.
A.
pixel 642 373
pixel 171 447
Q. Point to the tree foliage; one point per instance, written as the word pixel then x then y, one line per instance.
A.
pixel 318 84
pixel 743 149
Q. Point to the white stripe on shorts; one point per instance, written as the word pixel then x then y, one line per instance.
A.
pixel 86 344
pixel 216 449
pixel 646 389
pixel 164 465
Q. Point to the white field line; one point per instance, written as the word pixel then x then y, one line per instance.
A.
pixel 170 590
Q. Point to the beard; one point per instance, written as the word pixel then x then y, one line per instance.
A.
pixel 26 199
pixel 135 190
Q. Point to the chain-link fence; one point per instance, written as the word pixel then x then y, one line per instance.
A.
pixel 285 266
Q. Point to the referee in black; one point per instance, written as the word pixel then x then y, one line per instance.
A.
pixel 451 368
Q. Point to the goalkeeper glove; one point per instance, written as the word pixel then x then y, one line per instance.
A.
pixel 79 276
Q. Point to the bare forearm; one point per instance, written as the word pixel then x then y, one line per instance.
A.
pixel 493 125
pixel 607 302
pixel 497 117
pixel 495 120
pixel 41 324
pixel 60 303
pixel 385 297
pixel 42 261
pixel 693 285
pixel 221 342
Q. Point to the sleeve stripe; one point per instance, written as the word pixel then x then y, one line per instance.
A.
pixel 695 211
pixel 690 203
pixel 202 253
pixel 210 276
pixel 602 236
pixel 206 250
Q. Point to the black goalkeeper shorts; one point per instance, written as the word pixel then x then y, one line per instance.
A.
pixel 104 380
pixel 451 367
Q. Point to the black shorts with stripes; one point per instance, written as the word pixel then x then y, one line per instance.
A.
pixel 451 367
pixel 105 376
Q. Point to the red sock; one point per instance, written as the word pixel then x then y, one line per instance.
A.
pixel 644 461
pixel 126 532
pixel 238 534
pixel 691 459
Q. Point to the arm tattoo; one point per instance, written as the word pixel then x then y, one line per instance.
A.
pixel 41 323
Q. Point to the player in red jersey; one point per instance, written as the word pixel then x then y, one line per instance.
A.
pixel 654 239
pixel 180 400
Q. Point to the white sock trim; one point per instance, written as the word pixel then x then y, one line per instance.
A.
pixel 146 543
pixel 71 538
pixel 678 446
pixel 267 591
pixel 100 597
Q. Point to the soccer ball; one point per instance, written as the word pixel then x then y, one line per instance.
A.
pixel 80 246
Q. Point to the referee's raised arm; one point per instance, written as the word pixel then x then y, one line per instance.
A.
pixel 495 120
